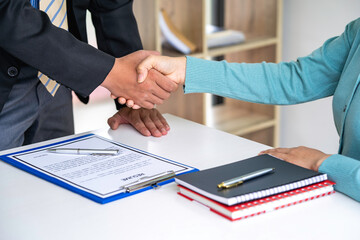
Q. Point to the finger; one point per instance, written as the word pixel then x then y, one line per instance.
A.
pixel 282 150
pixel 264 152
pixel 150 91
pixel 156 88
pixel 147 105
pixel 159 94
pixel 150 125
pixel 268 151
pixel 163 120
pixel 149 101
pixel 130 103
pixel 139 125
pixel 158 123
pixel 114 121
pixel 143 68
pixel 122 100
pixel 136 107
pixel 145 100
pixel 149 95
pixel 279 150
pixel 113 96
pixel 280 155
pixel 162 81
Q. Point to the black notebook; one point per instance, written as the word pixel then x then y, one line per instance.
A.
pixel 286 177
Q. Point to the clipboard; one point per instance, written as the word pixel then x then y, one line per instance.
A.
pixel 135 183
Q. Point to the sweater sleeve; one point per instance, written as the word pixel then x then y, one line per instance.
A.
pixel 309 78
pixel 345 172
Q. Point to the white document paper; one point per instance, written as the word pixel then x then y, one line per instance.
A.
pixel 100 175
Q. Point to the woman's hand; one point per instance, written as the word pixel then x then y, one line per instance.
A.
pixel 302 156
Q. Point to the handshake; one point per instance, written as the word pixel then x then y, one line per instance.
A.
pixel 143 78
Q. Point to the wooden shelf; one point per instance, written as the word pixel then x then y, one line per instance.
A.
pixel 239 121
pixel 247 45
pixel 214 52
pixel 259 20
pixel 173 53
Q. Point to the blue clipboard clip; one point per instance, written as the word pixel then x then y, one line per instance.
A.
pixel 148 181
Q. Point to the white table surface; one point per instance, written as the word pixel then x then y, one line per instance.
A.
pixel 32 208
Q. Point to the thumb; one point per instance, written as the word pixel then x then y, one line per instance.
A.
pixel 115 121
pixel 142 73
pixel 143 68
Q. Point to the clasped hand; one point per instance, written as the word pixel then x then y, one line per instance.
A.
pixel 122 81
pixel 126 80
pixel 171 68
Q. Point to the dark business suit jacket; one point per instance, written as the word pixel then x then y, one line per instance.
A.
pixel 27 37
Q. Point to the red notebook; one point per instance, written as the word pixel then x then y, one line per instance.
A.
pixel 263 205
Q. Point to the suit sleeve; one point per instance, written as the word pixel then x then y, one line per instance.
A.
pixel 116 29
pixel 115 25
pixel 28 35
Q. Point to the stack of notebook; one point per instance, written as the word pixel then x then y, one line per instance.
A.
pixel 287 185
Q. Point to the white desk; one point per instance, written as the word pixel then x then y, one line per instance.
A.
pixel 32 208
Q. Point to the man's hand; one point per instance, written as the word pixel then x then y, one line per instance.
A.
pixel 172 68
pixel 122 81
pixel 147 121
pixel 301 156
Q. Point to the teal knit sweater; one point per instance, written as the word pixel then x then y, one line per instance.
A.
pixel 331 70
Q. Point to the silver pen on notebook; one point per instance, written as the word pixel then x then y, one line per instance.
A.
pixel 233 182
pixel 84 151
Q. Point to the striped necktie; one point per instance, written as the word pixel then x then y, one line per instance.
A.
pixel 56 10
